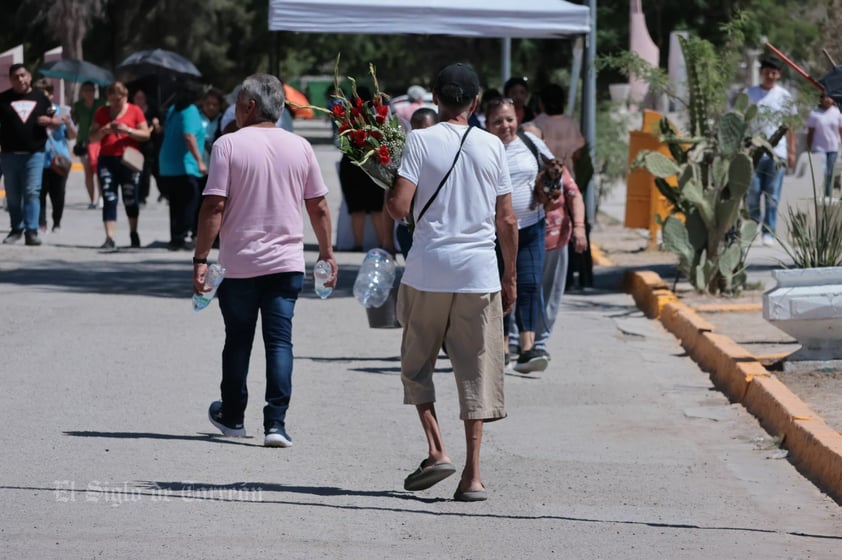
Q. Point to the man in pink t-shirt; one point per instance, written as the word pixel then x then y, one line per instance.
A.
pixel 259 178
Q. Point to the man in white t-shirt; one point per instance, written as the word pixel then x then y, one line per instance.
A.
pixel 824 127
pixel 451 291
pixel 259 179
pixel 774 103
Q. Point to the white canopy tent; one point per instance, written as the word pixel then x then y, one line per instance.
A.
pixel 463 18
pixel 506 19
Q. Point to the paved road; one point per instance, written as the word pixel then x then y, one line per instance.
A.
pixel 621 450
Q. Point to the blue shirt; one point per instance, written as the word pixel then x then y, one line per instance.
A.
pixel 56 142
pixel 174 158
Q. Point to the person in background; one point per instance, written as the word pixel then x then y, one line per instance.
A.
pixel 415 96
pixel 487 96
pixel 523 169
pixel 774 104
pixel 118 126
pixel 82 113
pixel 52 183
pixel 824 127
pixel 362 196
pixel 181 164
pixel 261 179
pixel 213 103
pixel 565 216
pixel 517 90
pixel 451 291
pixel 24 119
pixel 148 149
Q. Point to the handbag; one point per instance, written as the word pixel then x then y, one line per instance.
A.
pixel 133 159
pixel 60 165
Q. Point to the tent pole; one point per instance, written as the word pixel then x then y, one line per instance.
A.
pixel 575 76
pixel 506 61
pixel 589 105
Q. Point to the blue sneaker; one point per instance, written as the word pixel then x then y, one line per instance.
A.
pixel 277 437
pixel 215 417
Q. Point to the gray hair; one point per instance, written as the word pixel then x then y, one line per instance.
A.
pixel 268 94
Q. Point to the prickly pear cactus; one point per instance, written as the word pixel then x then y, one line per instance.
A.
pixel 714 170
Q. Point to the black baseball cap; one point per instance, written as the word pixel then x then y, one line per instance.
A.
pixel 457 84
pixel 771 62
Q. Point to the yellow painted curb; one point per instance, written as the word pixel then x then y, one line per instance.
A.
pixel 598 257
pixel 815 448
pixel 728 307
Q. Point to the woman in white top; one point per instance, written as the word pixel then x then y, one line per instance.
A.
pixel 824 126
pixel 501 120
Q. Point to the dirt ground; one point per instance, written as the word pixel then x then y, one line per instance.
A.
pixel 820 389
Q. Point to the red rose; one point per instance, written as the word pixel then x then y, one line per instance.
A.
pixel 358 102
pixel 355 111
pixel 339 110
pixel 377 101
pixel 344 127
pixel 359 137
pixel 383 155
pixel 382 113
pixel 376 134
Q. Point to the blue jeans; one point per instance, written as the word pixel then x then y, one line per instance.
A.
pixel 115 177
pixel 529 306
pixel 240 300
pixel 767 180
pixel 829 162
pixel 23 188
pixel 554 281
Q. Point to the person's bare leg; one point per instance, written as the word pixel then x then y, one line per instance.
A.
pixel 436 453
pixel 358 227
pixel 471 481
pixel 527 340
pixel 383 227
pixel 89 180
pixel 110 228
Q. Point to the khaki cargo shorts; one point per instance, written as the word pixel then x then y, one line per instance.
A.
pixel 471 326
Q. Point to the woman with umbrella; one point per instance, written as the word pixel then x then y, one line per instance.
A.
pixel 118 127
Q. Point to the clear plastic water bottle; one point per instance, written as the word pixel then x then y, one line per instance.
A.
pixel 213 278
pixel 375 278
pixel 321 274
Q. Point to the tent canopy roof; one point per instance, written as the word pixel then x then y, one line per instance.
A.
pixel 464 18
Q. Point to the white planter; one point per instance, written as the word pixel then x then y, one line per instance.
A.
pixel 807 305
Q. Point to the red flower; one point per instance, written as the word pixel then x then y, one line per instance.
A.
pixel 338 110
pixel 383 155
pixel 358 102
pixel 344 127
pixel 382 112
pixel 377 101
pixel 376 134
pixel 359 137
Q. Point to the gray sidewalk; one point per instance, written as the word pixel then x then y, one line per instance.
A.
pixel 622 449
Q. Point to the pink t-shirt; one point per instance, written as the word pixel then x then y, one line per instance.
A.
pixel 265 174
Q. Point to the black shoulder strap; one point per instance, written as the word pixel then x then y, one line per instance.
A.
pixel 446 175
pixel 531 145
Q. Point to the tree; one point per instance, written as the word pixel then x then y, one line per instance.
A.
pixel 68 21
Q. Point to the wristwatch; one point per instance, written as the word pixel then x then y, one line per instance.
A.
pixel 197 260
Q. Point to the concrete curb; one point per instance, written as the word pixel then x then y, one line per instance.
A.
pixel 815 447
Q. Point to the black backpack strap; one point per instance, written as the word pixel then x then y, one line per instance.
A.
pixel 446 175
pixel 531 145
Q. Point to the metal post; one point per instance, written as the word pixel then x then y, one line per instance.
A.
pixel 506 61
pixel 589 105
pixel 575 76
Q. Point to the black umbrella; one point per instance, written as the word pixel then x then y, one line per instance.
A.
pixel 832 83
pixel 158 61
pixel 74 70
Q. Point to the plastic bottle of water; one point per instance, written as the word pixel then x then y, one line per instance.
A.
pixel 213 278
pixel 375 278
pixel 321 274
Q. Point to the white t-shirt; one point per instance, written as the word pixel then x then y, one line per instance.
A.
pixel 825 124
pixel 453 244
pixel 523 168
pixel 265 174
pixel 772 106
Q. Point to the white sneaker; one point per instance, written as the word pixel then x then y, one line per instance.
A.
pixel 277 437
pixel 768 240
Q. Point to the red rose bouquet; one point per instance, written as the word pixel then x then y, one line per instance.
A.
pixel 368 134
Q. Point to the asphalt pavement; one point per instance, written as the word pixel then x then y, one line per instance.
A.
pixel 621 449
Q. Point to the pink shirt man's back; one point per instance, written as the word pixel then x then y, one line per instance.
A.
pixel 265 174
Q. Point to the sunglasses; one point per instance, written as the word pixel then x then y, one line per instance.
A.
pixel 501 101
